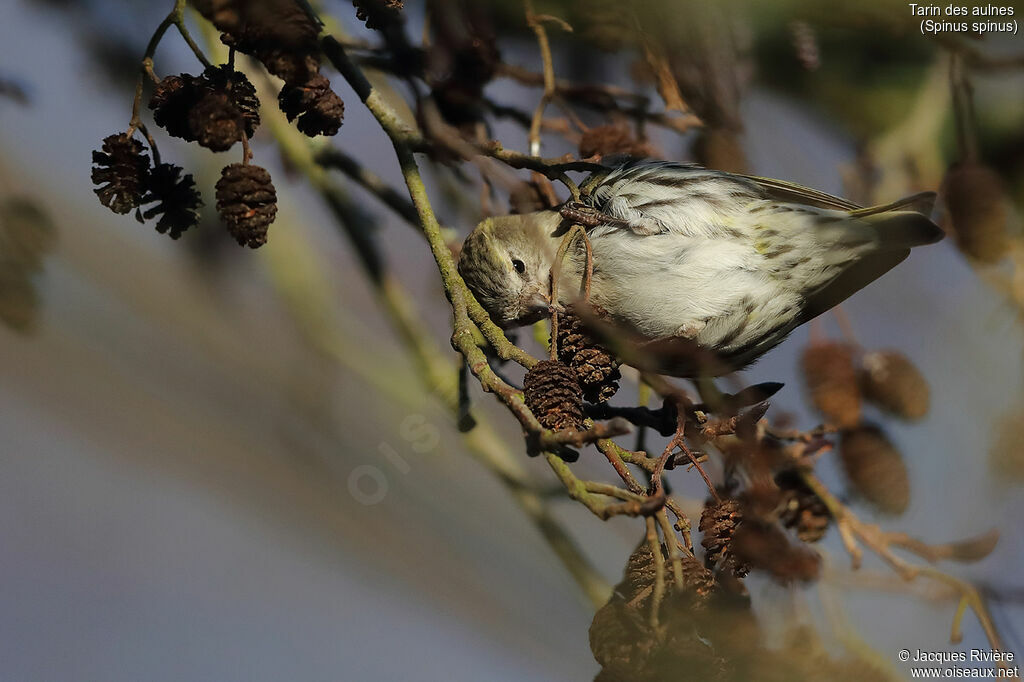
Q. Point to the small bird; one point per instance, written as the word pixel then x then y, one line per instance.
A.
pixel 702 269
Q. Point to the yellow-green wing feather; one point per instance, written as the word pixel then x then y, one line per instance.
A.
pixel 922 202
pixel 781 190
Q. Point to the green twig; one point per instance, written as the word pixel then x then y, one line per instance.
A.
pixel 483 442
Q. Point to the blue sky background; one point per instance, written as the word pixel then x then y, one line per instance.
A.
pixel 174 458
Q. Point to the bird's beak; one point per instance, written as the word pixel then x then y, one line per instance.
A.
pixel 536 305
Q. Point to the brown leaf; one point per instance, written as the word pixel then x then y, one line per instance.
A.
pixel 976 548
pixel 668 88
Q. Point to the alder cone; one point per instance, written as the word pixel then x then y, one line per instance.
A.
pixel 621 640
pixel 279 33
pixel 613 139
pixel 318 109
pixel 801 509
pixel 638 579
pixel 831 380
pixel 767 548
pixel 978 211
pixel 214 109
pixel 554 396
pixel 175 197
pixel 247 203
pixel 120 172
pixel 216 122
pixel 172 99
pixel 239 90
pixel 528 196
pixel 596 369
pixel 875 468
pixel 891 381
pixel 625 644
pixel 718 524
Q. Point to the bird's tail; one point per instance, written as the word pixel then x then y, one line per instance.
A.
pixel 904 223
pixel 896 230
pixel 903 229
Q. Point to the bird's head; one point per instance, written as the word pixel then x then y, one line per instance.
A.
pixel 506 260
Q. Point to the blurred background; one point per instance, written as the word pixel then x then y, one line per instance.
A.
pixel 219 463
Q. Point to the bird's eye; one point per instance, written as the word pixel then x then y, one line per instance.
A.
pixel 518 265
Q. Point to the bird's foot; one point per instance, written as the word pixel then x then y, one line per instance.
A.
pixel 579 213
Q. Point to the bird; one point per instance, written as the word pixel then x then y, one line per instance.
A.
pixel 701 271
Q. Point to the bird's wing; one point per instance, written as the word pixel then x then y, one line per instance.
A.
pixel 659 197
pixel 922 203
pixel 655 197
pixel 791 192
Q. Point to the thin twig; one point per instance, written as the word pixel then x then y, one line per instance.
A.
pixel 659 571
pixel 536 24
pixel 577 490
pixel 854 532
pixel 673 546
pixel 436 373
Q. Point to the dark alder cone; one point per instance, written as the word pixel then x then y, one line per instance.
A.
pixel 890 380
pixel 831 380
pixel 529 196
pixel 279 33
pixel 598 373
pixel 718 523
pixel 875 468
pixel 978 211
pixel 684 647
pixel 172 99
pixel 216 122
pixel 120 171
pixel 215 109
pixel 596 369
pixel 801 509
pixel 638 579
pixel 621 640
pixel 247 203
pixel 318 109
pixel 696 578
pixel 176 198
pixel 239 90
pixel 378 13
pixel 608 140
pixel 224 14
pixel 761 496
pixel 470 66
pixel 290 66
pixel 554 396
pixel 765 547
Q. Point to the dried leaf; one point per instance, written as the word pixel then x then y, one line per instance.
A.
pixel 668 88
pixel 976 548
